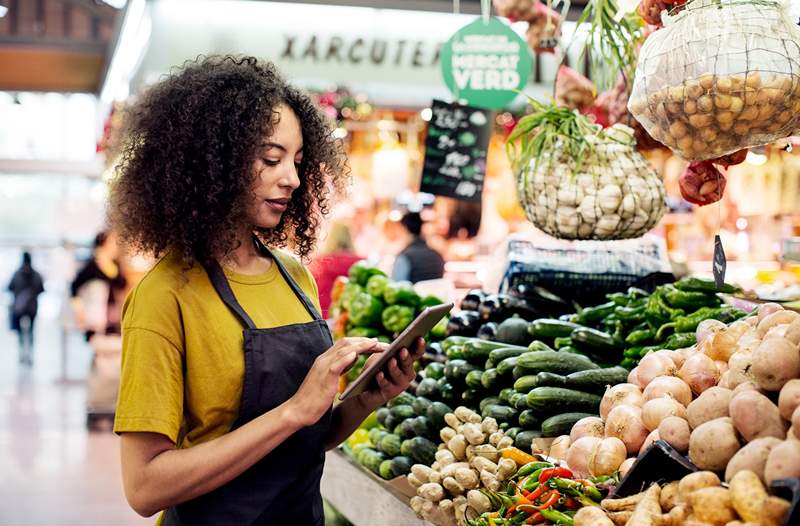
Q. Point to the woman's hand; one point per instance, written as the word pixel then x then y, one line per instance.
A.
pixel 316 393
pixel 393 379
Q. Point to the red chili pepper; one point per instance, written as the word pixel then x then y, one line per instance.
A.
pixel 535 494
pixel 511 511
pixel 571 504
pixel 536 518
pixel 551 500
pixel 547 474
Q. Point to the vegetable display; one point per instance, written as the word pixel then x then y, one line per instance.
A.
pixel 719 77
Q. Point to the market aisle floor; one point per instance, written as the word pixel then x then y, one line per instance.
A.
pixel 53 471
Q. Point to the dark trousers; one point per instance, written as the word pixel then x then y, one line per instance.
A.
pixel 25 334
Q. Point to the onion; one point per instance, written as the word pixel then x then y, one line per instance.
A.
pixel 626 466
pixel 768 308
pixel 657 409
pixel 699 372
pixel 738 328
pixel 722 367
pixel 579 454
pixel 620 394
pixel 594 457
pixel 720 345
pixel 654 365
pixel 669 385
pixel 591 426
pixel 652 437
pixel 706 328
pixel 560 447
pixel 749 341
pixel 779 331
pixel 725 380
pixel 633 377
pixel 676 357
pixel 625 423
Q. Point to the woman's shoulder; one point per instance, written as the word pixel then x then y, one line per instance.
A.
pixel 295 268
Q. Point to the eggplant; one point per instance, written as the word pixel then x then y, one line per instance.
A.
pixel 464 323
pixel 472 300
pixel 434 348
pixel 488 331
pixel 499 307
pixel 542 300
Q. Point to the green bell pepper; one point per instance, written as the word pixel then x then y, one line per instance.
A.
pixel 690 301
pixel 351 290
pixel 401 292
pixel 362 332
pixel 397 317
pixel 693 284
pixel 365 310
pixel 361 271
pixel 377 284
pixel 429 301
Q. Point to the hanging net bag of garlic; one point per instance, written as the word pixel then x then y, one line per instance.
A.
pixel 721 75
pixel 576 180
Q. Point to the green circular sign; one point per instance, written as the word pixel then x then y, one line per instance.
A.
pixel 484 64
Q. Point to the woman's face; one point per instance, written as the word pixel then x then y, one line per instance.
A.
pixel 276 169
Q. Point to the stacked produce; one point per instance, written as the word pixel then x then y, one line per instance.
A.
pixel 697 499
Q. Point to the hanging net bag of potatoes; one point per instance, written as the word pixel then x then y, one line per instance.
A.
pixel 576 180
pixel 721 75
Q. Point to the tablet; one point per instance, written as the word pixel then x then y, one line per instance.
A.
pixel 418 329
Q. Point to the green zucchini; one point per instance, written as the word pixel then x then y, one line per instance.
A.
pixel 505 395
pixel 491 400
pixel 511 432
pixel 382 414
pixel 473 379
pixel 562 424
pixel 436 413
pixel 539 346
pixel 456 371
pixel 403 398
pixel 402 411
pixel 405 429
pixel 554 362
pixel 525 383
pixel 434 370
pixel 401 466
pixel 471 397
pixel 421 405
pixel 385 470
pixel 428 388
pixel 528 419
pixel 596 380
pixel 447 393
pixel 452 341
pixel 455 353
pixel 596 343
pixel 422 428
pixel 498 355
pixel 550 329
pixel 545 379
pixel 376 435
pixel 390 444
pixel 489 379
pixel 501 413
pixel 560 343
pixel 557 400
pixel 420 449
pixel 518 372
pixel 518 401
pixel 524 439
pixel 504 367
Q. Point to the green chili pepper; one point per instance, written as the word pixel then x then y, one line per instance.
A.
pixel 687 323
pixel 377 284
pixel 529 468
pixel 641 336
pixel 556 517
pixel 396 318
pixel 531 484
pixel 658 312
pixel 365 310
pixel 689 301
pixel 619 298
pixel 361 271
pixel 594 314
pixel 632 352
pixel 628 363
pixel 693 284
pixel 401 292
pixel 648 349
pixel 631 314
pixel 637 293
pixel 680 340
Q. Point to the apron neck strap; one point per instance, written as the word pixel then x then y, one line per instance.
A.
pixel 223 288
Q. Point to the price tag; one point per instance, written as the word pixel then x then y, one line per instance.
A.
pixel 720 262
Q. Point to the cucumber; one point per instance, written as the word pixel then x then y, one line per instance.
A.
pixel 560 343
pixel 544 379
pixel 492 400
pixel 421 405
pixel 385 470
pixel 550 329
pixel 455 353
pixel 505 395
pixel 562 424
pixel 402 411
pixel 524 439
pixel 453 341
pixel 403 398
pixel 596 380
pixel 436 413
pixel 518 372
pixel 376 435
pixel 419 449
pixel 477 351
pixel 447 393
pixel 501 413
pixel 391 421
pixel 471 397
pixel 401 466
pixel 504 367
pixel 390 444
pixel 498 355
pixel 557 400
pixel 405 429
pixel 554 362
pixel 382 414
pixel 422 428
pixel 518 401
pixel 511 432
pixel 525 384
pixel 428 388
pixel 528 420
pixel 456 371
pixel 597 343
pixel 434 370
pixel 539 346
pixel 473 379
pixel 489 379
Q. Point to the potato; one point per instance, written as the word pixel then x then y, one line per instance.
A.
pixel 713 444
pixel 752 457
pixel 789 398
pixel 755 416
pixel 712 505
pixel 775 362
pixel 591 516
pixel 669 496
pixel 712 403
pixel 776 318
pixel 675 431
pixel 657 409
pixel 695 481
pixel 675 517
pixel 793 332
pixel 620 518
pixel 783 462
pixel 748 496
pixel 775 511
pixel 796 421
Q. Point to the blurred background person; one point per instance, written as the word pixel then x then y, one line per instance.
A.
pixel 25 286
pixel 333 260
pixel 417 261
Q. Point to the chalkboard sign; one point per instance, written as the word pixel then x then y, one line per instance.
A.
pixel 455 151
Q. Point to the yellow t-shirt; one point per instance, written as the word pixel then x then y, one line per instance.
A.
pixel 182 358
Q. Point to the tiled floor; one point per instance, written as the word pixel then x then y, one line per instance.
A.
pixel 53 471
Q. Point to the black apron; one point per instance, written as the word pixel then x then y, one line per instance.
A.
pixel 284 485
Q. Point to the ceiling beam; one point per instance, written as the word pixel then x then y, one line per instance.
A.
pixel 105 11
pixel 62 44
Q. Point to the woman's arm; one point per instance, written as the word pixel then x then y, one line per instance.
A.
pixel 156 475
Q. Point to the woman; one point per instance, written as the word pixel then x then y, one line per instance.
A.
pixel 228 371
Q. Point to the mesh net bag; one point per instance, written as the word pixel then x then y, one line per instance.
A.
pixel 613 193
pixel 721 75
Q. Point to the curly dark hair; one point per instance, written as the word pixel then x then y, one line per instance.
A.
pixel 186 169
